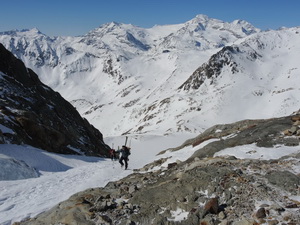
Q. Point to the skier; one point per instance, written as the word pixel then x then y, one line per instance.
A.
pixel 125 152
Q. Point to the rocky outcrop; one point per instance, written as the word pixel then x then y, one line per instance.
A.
pixel 34 114
pixel 201 190
pixel 226 57
pixel 295 128
pixel 212 68
pixel 265 133
pixel 211 191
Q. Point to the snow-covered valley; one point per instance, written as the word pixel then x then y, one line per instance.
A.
pixel 137 74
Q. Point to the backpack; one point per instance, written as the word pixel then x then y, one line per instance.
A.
pixel 127 151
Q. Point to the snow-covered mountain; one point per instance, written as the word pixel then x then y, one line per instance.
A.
pixel 165 79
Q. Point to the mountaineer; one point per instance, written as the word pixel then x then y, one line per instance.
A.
pixel 124 153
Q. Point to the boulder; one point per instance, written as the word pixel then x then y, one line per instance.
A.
pixel 284 179
pixel 261 213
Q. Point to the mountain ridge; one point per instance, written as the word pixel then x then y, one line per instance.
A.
pixel 134 73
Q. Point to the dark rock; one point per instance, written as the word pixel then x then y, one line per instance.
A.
pixel 212 206
pixel 212 69
pixel 39 116
pixel 261 213
pixel 292 206
pixel 170 165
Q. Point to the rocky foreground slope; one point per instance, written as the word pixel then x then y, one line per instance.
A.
pixel 205 189
pixel 32 113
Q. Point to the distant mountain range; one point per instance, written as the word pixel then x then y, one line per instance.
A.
pixel 173 78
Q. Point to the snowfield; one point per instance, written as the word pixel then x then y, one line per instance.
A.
pixel 64 175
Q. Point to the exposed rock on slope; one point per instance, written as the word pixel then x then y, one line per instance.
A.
pixel 202 190
pixel 32 113
pixel 212 68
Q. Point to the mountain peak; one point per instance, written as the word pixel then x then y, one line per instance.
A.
pixel 247 27
pixel 201 17
pixel 35 30
pixel 107 28
pixel 112 24
pixel 32 31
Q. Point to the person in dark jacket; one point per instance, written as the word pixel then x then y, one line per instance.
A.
pixel 124 153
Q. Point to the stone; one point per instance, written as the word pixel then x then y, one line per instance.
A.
pixel 261 213
pixel 212 206
pixel 224 222
pixel 294 129
pixel 292 206
pixel 132 189
pixel 221 215
pixel 287 132
pixel 284 179
pixel 244 222
pixel 130 222
pixel 273 222
pixel 296 123
pixel 295 118
pixel 104 220
pixel 171 165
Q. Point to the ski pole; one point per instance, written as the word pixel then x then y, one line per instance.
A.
pixel 126 140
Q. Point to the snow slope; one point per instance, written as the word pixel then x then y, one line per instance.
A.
pixel 12 169
pixel 64 175
pixel 259 79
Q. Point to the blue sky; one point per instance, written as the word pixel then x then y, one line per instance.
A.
pixel 74 17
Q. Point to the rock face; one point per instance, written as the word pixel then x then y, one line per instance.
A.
pixel 32 113
pixel 212 69
pixel 201 190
